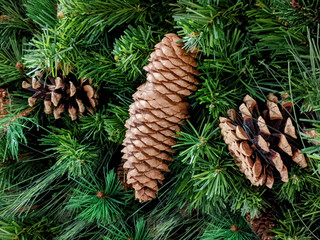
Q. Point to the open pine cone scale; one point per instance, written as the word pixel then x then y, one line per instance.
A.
pixel 263 143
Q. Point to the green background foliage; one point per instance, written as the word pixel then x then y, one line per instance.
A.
pixel 52 170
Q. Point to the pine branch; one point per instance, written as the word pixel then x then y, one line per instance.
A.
pixel 248 199
pixel 289 228
pixel 97 65
pixel 313 151
pixel 11 69
pixel 217 98
pixel 229 227
pixel 132 50
pixel 270 32
pixel 207 173
pixel 26 167
pixel 77 229
pixel 37 229
pixel 14 125
pixel 98 15
pixel 121 231
pixel 174 218
pixel 306 86
pixel 14 21
pixel 195 144
pixel 202 24
pixel 73 157
pixel 298 13
pixel 107 124
pixel 98 201
pixel 47 52
pixel 299 182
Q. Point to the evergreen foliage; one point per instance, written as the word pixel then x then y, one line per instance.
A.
pixel 228 227
pixel 98 202
pixel 60 179
pixel 133 49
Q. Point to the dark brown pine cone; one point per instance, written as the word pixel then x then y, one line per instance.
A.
pixel 65 93
pixel 262 224
pixel 263 141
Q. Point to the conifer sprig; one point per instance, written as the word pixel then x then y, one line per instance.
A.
pixel 132 50
pixel 121 231
pixel 10 60
pixel 73 157
pixel 14 22
pixel 36 229
pixel 99 201
pixel 196 144
pixel 228 227
pixel 42 12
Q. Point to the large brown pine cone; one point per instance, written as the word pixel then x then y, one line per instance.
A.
pixel 262 224
pixel 160 106
pixel 263 142
pixel 66 93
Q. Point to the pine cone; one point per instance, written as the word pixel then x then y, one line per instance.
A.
pixel 160 106
pixel 263 145
pixel 64 92
pixel 3 102
pixel 262 224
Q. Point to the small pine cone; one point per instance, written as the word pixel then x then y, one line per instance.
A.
pixel 263 142
pixel 64 92
pixel 160 106
pixel 262 224
pixel 3 102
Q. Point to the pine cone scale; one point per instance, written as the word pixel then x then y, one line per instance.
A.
pixel 156 114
